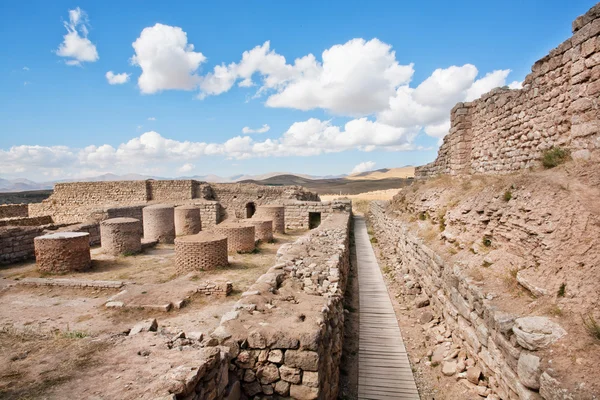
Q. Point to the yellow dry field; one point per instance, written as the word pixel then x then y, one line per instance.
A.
pixel 403 172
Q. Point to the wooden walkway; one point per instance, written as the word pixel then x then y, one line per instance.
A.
pixel 383 368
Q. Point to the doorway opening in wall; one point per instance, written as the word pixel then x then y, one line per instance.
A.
pixel 250 209
pixel 314 219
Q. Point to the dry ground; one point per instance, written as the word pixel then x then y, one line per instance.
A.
pixel 52 337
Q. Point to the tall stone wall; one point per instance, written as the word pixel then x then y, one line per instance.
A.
pixel 489 335
pixel 16 243
pixel 507 130
pixel 14 210
pixel 297 212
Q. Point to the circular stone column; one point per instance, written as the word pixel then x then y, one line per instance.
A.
pixel 263 228
pixel 240 236
pixel 275 213
pixel 201 252
pixel 187 220
pixel 121 236
pixel 62 252
pixel 159 223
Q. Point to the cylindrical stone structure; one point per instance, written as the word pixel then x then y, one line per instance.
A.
pixel 159 223
pixel 275 213
pixel 240 236
pixel 62 252
pixel 121 236
pixel 187 220
pixel 201 252
pixel 263 228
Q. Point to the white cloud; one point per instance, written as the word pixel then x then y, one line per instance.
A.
pixel 490 81
pixel 151 119
pixel 515 85
pixel 25 68
pixel 76 46
pixel 26 83
pixel 186 167
pixel 166 59
pixel 363 167
pixel 247 130
pixel 117 79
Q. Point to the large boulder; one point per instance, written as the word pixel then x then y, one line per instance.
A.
pixel 535 333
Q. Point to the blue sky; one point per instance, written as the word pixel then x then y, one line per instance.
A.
pixel 380 97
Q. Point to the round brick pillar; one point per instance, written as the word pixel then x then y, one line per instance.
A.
pixel 62 252
pixel 187 220
pixel 263 228
pixel 275 213
pixel 240 236
pixel 159 223
pixel 201 252
pixel 121 236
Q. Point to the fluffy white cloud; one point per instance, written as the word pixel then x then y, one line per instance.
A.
pixel 363 167
pixel 116 79
pixel 515 85
pixel 25 68
pixel 153 151
pixel 76 46
pixel 151 119
pixel 247 130
pixel 354 78
pixel 187 167
pixel 166 59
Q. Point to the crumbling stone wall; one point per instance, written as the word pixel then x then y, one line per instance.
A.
pixel 508 130
pixel 491 337
pixel 175 190
pixel 14 210
pixel 16 243
pixel 26 221
pixel 297 212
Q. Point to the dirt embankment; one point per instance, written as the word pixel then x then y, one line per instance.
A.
pixel 533 241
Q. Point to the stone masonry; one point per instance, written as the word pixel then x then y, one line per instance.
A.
pixel 201 252
pixel 63 252
pixel 187 220
pixel 240 236
pixel 297 212
pixel 159 223
pixel 508 130
pixel 121 236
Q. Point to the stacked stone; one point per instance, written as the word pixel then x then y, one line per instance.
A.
pixel 263 228
pixel 201 252
pixel 497 344
pixel 240 236
pixel 16 243
pixel 121 236
pixel 159 223
pixel 221 290
pixel 209 213
pixel 62 252
pixel 297 212
pixel 274 212
pixel 187 220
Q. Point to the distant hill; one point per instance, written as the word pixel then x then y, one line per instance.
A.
pixel 337 186
pixel 385 173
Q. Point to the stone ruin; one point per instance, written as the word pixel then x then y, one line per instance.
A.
pixel 507 130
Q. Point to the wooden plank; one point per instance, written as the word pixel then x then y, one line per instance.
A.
pixel 384 371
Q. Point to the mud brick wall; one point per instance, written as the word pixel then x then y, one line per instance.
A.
pixel 209 213
pixel 26 221
pixel 217 289
pixel 297 212
pixel 483 330
pixel 507 130
pixel 234 197
pixel 16 243
pixel 170 190
pixel 14 210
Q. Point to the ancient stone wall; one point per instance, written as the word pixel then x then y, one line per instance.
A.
pixel 507 130
pixel 14 210
pixel 209 213
pixel 491 337
pixel 234 197
pixel 16 243
pixel 26 221
pixel 175 190
pixel 297 212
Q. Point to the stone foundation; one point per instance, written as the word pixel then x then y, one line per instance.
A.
pixel 216 289
pixel 297 212
pixel 240 236
pixel 121 236
pixel 159 223
pixel 14 211
pixel 276 213
pixel 26 221
pixel 62 252
pixel 201 252
pixel 187 220
pixel 16 243
pixel 263 228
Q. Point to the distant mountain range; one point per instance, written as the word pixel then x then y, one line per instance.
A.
pixel 21 184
